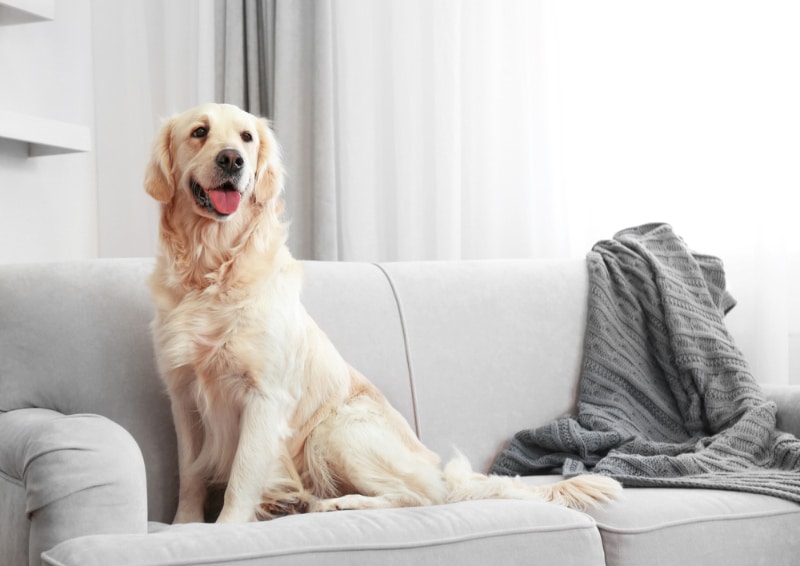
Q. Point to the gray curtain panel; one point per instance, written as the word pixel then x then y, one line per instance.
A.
pixel 275 58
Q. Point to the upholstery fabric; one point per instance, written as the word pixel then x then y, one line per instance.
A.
pixel 74 338
pixel 475 532
pixel 15 524
pixel 660 527
pixel 787 400
pixel 494 347
pixel 354 304
pixel 79 474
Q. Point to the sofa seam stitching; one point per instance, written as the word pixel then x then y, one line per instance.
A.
pixel 604 527
pixel 6 477
pixel 406 348
pixel 329 548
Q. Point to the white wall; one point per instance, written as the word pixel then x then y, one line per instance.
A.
pixel 48 204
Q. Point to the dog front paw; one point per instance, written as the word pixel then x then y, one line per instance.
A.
pixel 283 507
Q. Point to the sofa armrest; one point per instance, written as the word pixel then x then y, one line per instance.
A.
pixel 787 398
pixel 65 476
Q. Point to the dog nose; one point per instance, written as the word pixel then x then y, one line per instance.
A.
pixel 230 160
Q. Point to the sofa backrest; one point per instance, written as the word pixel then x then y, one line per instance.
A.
pixel 469 352
pixel 494 347
pixel 74 338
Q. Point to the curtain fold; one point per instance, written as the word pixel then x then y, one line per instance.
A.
pixel 442 125
pixel 276 61
pixel 245 56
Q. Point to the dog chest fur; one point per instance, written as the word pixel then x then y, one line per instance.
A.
pixel 221 347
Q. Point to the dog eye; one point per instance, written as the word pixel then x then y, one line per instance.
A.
pixel 200 132
pixel 247 137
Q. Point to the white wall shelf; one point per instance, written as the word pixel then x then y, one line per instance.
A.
pixel 43 136
pixel 26 11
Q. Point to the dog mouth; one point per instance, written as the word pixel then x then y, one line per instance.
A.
pixel 222 200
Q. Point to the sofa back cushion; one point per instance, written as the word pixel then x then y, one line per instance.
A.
pixel 354 305
pixel 75 338
pixel 494 347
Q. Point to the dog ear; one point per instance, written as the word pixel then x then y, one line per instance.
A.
pixel 158 181
pixel 269 171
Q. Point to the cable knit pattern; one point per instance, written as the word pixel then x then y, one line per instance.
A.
pixel 666 398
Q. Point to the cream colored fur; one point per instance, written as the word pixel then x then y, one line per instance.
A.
pixel 262 401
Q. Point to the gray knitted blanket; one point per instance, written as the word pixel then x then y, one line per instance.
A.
pixel 665 398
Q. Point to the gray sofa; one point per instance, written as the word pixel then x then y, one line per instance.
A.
pixel 469 352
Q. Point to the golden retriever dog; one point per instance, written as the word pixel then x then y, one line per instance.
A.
pixel 262 401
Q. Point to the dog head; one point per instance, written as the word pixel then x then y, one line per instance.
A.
pixel 214 158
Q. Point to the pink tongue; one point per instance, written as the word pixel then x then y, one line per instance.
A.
pixel 225 202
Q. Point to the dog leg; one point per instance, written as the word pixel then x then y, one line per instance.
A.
pixel 376 459
pixel 257 465
pixel 192 492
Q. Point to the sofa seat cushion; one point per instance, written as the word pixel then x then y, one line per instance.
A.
pixel 473 532
pixel 698 526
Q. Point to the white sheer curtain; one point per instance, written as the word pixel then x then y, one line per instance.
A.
pixel 688 112
pixel 152 59
pixel 441 130
pixel 517 128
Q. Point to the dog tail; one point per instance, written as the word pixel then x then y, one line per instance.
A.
pixel 579 492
